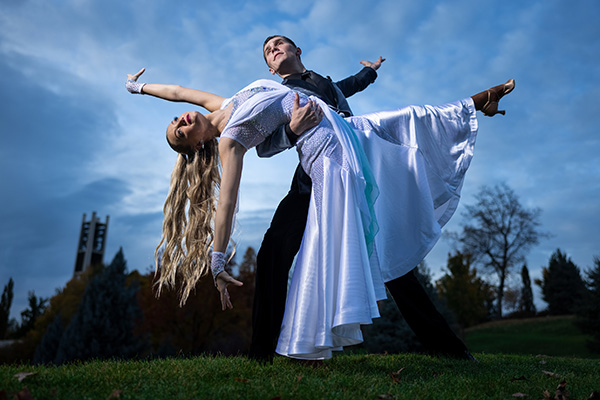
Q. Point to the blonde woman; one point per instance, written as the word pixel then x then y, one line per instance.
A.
pixel 383 186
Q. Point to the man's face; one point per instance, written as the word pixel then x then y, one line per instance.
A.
pixel 278 52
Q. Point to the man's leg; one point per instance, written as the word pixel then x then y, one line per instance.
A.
pixel 430 327
pixel 273 262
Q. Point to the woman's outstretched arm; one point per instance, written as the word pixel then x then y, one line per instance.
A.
pixel 176 93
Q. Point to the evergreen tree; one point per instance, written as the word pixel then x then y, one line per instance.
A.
pixel 36 308
pixel 246 274
pixel 45 353
pixel 526 306
pixel 562 286
pixel 65 301
pixel 247 269
pixel 589 313
pixel 102 328
pixel 5 304
pixel 465 294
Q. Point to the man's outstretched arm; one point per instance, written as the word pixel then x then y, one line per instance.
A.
pixel 359 82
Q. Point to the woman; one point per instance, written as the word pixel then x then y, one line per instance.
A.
pixel 414 159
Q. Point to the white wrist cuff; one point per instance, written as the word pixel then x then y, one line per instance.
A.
pixel 218 264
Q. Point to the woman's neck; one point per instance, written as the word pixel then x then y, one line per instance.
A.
pixel 220 118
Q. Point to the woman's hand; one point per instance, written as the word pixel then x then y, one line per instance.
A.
pixel 135 76
pixel 132 85
pixel 222 281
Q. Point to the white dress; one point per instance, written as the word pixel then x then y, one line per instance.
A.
pixel 383 186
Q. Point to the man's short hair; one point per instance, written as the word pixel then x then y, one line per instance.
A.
pixel 285 38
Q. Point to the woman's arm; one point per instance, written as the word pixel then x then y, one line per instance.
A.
pixel 176 93
pixel 232 155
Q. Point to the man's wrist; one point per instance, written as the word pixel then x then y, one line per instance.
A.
pixel 371 72
pixel 293 138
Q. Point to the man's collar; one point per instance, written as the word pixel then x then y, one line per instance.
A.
pixel 299 75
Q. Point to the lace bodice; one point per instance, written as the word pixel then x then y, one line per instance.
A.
pixel 313 144
pixel 256 129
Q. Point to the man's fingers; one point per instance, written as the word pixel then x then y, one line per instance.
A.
pixel 296 101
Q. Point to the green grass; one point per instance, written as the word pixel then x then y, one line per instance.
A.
pixel 553 336
pixel 343 377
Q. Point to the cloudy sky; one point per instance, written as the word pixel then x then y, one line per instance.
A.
pixel 74 141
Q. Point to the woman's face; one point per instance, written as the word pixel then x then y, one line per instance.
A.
pixel 190 130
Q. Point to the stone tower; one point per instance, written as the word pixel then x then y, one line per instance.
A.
pixel 92 241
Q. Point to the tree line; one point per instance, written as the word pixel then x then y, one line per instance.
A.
pixel 108 312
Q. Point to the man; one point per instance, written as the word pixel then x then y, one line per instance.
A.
pixel 282 240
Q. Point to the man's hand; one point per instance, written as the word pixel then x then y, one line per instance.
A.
pixel 375 65
pixel 224 279
pixel 305 118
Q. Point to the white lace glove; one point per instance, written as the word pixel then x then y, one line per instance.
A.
pixel 134 87
pixel 217 264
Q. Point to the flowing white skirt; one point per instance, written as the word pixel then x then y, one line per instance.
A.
pixel 418 157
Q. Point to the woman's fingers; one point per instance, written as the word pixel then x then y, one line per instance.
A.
pixel 135 77
pixel 229 279
pixel 224 279
pixel 224 300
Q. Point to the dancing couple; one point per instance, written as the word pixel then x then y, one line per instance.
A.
pixel 366 205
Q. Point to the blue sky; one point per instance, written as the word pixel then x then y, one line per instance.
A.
pixel 74 141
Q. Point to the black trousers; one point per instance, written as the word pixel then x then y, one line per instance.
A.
pixel 274 260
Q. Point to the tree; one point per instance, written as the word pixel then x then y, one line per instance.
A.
pixel 247 269
pixel 45 352
pixel 5 304
pixel 36 308
pixel 499 232
pixel 465 294
pixel 526 305
pixel 199 326
pixel 588 316
pixel 102 328
pixel 512 297
pixel 562 285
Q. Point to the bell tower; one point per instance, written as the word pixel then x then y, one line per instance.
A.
pixel 92 241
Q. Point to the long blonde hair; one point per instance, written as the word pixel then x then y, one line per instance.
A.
pixel 189 211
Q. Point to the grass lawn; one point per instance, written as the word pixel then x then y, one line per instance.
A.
pixel 355 376
pixel 553 336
